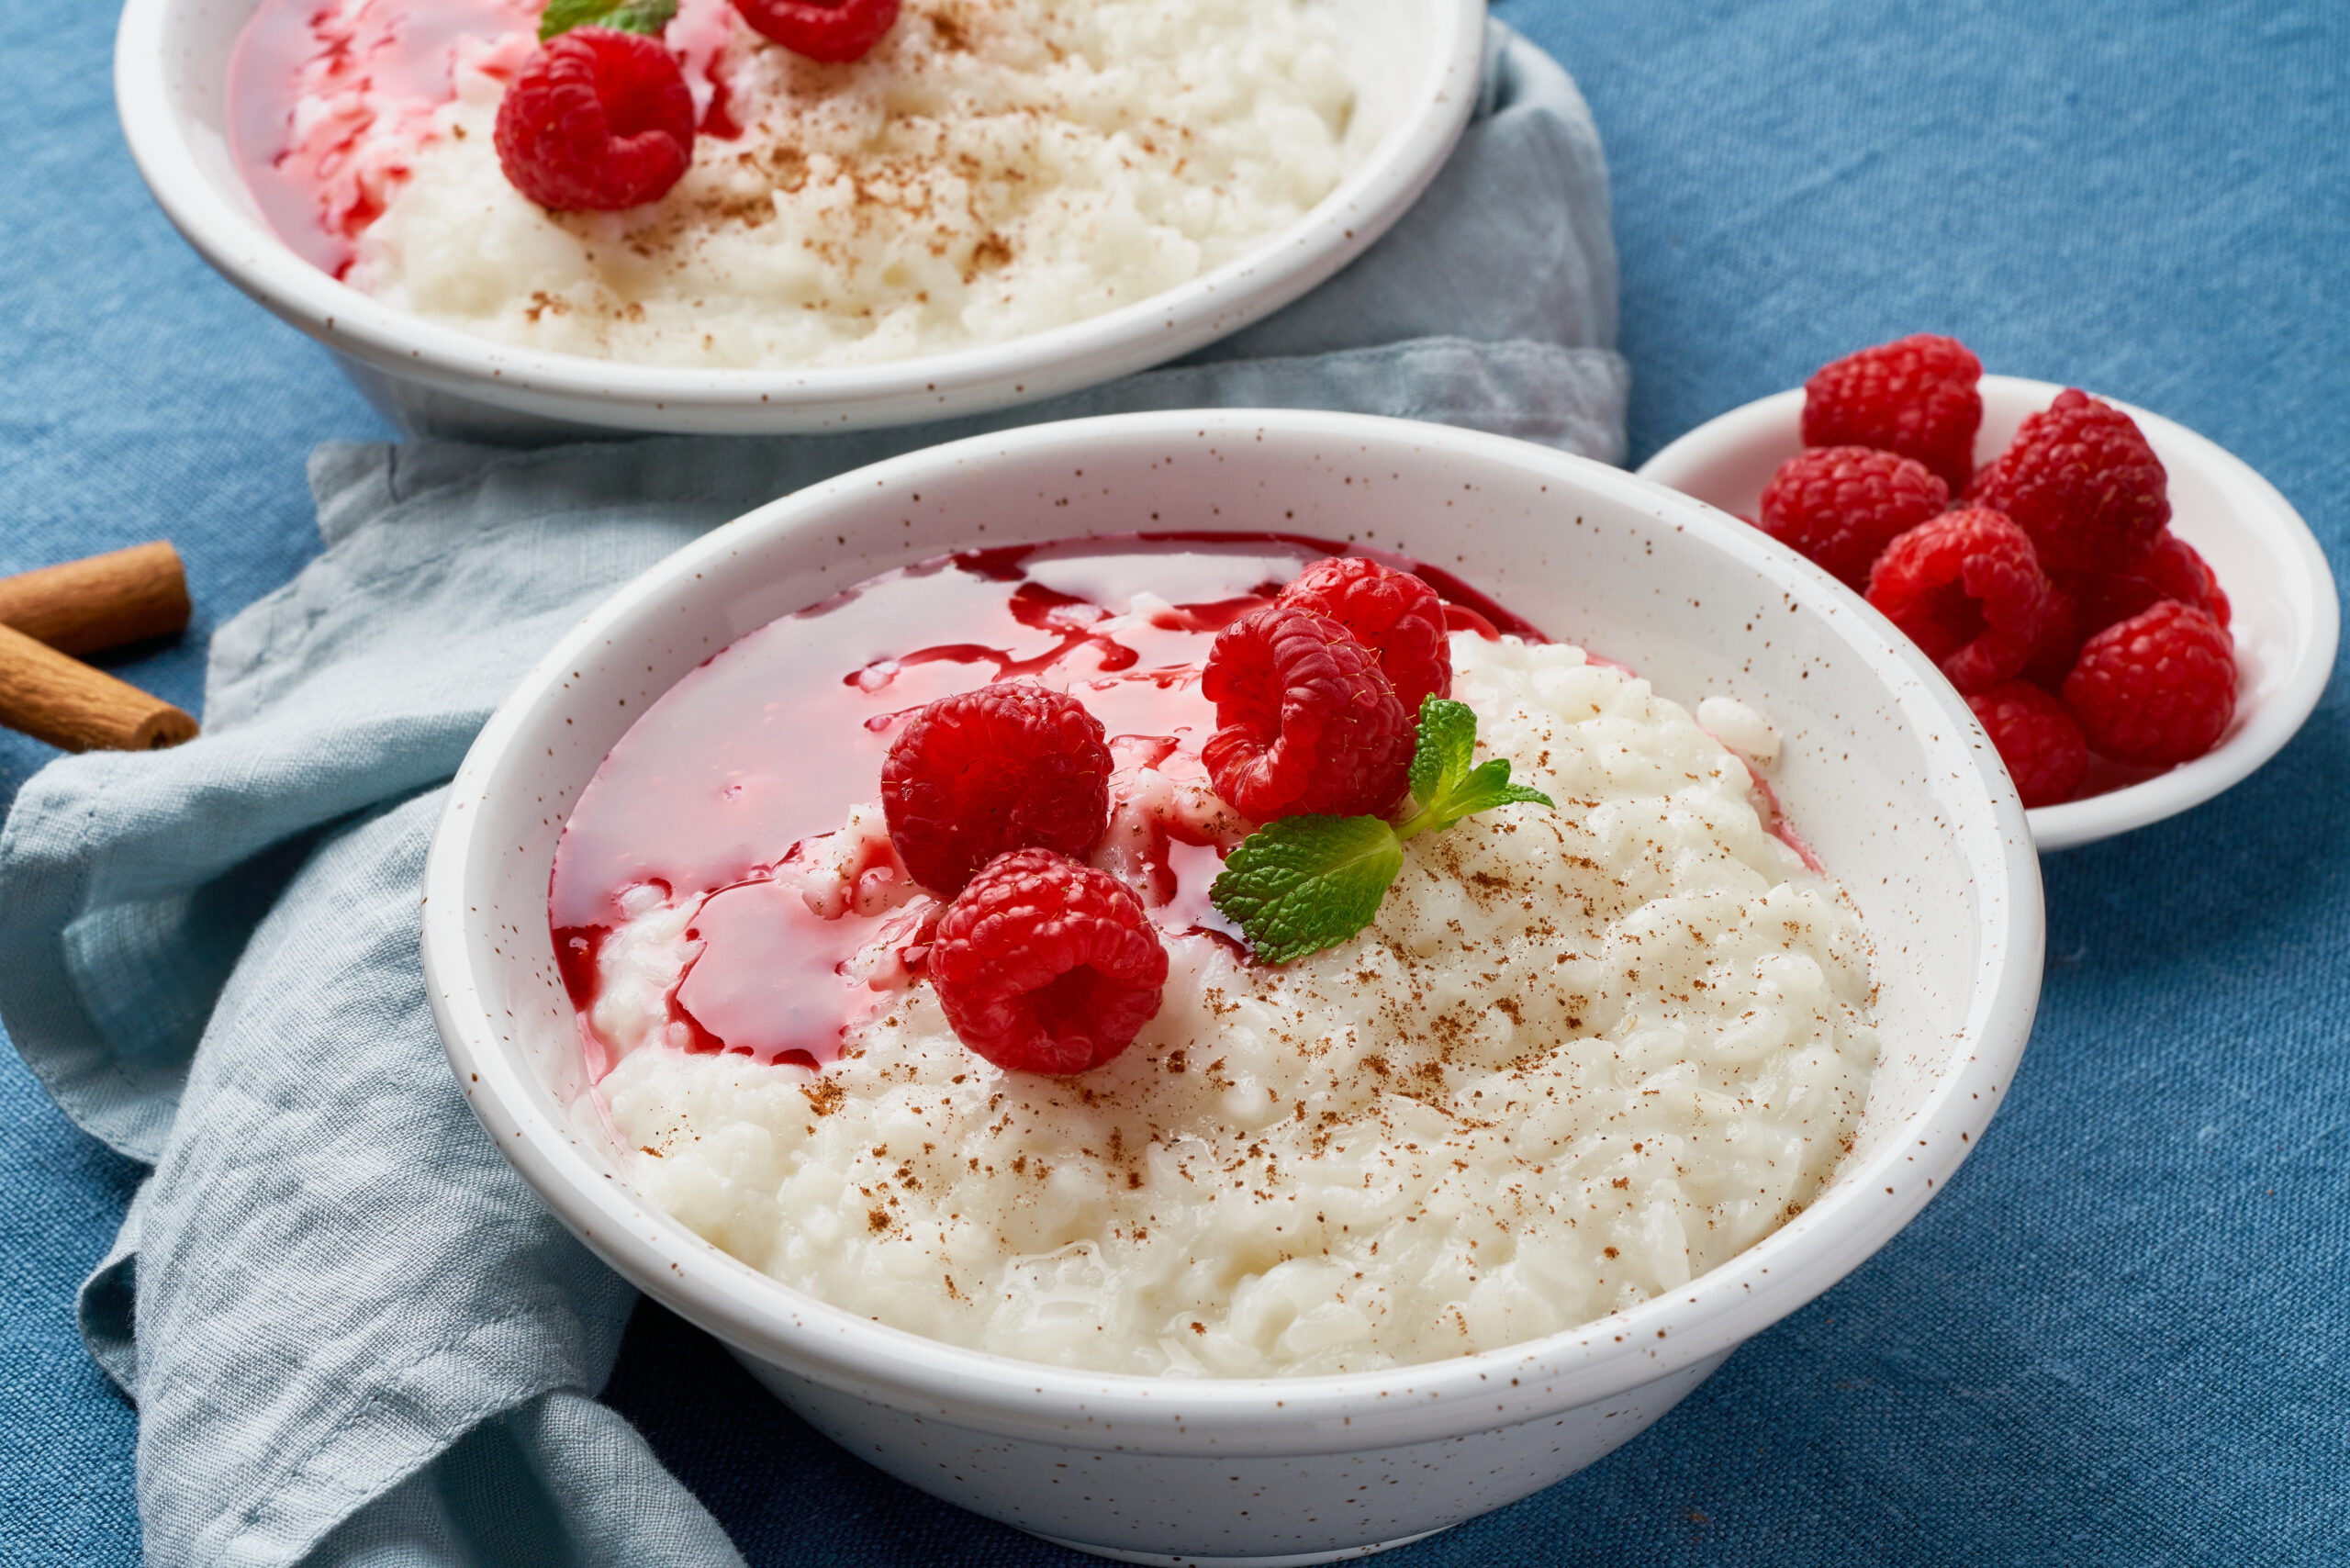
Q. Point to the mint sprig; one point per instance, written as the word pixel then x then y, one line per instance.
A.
pixel 1444 783
pixel 1305 883
pixel 1302 884
pixel 647 16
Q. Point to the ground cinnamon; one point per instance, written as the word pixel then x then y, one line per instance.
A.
pixel 102 601
pixel 55 698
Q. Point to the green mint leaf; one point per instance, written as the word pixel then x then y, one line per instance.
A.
pixel 647 16
pixel 1443 783
pixel 1302 884
pixel 1483 789
pixel 1446 743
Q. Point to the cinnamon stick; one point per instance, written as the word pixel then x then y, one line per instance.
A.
pixel 101 602
pixel 55 698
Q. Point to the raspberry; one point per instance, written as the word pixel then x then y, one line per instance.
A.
pixel 1393 614
pixel 1308 721
pixel 1916 396
pixel 2036 739
pixel 1001 767
pixel 1046 965
pixel 1841 506
pixel 2082 481
pixel 833 30
pixel 2158 687
pixel 2059 642
pixel 596 121
pixel 2169 569
pixel 1965 589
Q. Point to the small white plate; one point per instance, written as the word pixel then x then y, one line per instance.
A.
pixel 2288 618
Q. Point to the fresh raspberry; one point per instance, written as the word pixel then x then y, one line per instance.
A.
pixel 596 121
pixel 1006 766
pixel 1965 589
pixel 1916 396
pixel 2169 569
pixel 1841 506
pixel 833 30
pixel 2037 740
pixel 2082 481
pixel 2059 642
pixel 1308 721
pixel 1393 614
pixel 1046 965
pixel 2158 687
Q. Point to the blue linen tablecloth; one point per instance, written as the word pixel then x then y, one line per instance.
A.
pixel 2118 1337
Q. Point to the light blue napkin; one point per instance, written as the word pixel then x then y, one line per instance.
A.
pixel 352 1333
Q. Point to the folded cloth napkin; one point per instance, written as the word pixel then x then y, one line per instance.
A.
pixel 352 1333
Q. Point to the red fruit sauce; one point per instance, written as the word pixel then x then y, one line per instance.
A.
pixel 754 757
pixel 330 100
pixel 317 92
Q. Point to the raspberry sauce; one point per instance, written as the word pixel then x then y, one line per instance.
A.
pixel 330 100
pixel 328 103
pixel 740 775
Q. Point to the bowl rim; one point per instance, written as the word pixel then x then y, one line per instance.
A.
pixel 409 347
pixel 2272 521
pixel 761 1317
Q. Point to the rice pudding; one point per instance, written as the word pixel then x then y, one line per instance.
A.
pixel 994 168
pixel 1582 1054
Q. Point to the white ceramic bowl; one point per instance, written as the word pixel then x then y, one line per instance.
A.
pixel 2287 615
pixel 1418 62
pixel 1883 767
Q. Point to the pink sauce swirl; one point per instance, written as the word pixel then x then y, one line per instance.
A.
pixel 330 100
pixel 756 756
pixel 752 761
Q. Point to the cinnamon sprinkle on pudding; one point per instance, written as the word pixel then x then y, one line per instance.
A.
pixel 1580 1056
pixel 991 169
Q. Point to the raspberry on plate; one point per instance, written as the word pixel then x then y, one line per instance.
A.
pixel 1917 395
pixel 1841 505
pixel 2081 480
pixel 1965 589
pixel 2169 569
pixel 2156 688
pixel 833 30
pixel 2059 642
pixel 1011 766
pixel 1045 966
pixel 1393 614
pixel 1308 723
pixel 2040 741
pixel 596 121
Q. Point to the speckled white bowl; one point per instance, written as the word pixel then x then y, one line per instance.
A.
pixel 1883 769
pixel 2288 617
pixel 1418 63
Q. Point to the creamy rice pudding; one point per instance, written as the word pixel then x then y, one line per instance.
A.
pixel 1582 1054
pixel 994 168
